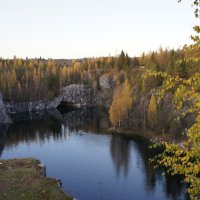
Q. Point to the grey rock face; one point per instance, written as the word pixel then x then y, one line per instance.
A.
pixel 107 81
pixel 54 103
pixel 77 94
pixel 4 119
pixel 12 108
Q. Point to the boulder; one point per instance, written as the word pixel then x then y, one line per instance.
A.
pixel 78 94
pixel 107 81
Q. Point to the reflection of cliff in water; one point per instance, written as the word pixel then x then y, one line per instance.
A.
pixel 89 120
pixel 38 127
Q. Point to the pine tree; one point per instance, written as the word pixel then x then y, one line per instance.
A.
pixel 121 60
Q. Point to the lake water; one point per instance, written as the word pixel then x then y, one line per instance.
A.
pixel 91 164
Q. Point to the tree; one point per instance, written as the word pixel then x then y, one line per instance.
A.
pixel 182 159
pixel 121 104
pixel 19 90
pixel 116 108
pixel 12 83
pixel 98 86
pixel 171 62
pixel 143 59
pixel 126 96
pixel 180 68
pixel 152 112
pixel 153 62
pixel 121 60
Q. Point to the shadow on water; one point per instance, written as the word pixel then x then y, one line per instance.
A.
pixel 120 151
pixel 120 148
pixel 3 136
pixel 127 155
pixel 169 183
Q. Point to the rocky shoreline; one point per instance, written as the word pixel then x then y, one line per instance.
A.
pixel 74 95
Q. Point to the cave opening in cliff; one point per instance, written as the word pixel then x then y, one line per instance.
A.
pixel 64 106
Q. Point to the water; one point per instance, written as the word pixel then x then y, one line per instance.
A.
pixel 91 164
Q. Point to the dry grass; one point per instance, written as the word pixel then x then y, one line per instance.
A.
pixel 21 179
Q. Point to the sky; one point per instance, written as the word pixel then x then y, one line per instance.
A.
pixel 91 28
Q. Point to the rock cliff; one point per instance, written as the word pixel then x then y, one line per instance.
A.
pixel 73 95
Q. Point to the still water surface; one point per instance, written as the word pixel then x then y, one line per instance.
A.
pixel 91 164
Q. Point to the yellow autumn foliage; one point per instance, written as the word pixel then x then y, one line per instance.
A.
pixel 121 104
pixel 152 112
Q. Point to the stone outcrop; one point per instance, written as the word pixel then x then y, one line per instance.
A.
pixel 13 108
pixel 54 103
pixel 4 119
pixel 107 81
pixel 76 95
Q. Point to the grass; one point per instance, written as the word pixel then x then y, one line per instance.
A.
pixel 22 179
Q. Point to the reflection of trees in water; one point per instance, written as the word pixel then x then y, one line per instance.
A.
pixel 33 130
pixel 120 151
pixel 153 176
pixel 60 127
pixel 53 125
pixel 173 189
pixel 3 130
pixel 120 148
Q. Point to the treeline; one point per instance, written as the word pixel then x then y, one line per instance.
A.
pixel 182 62
pixel 39 79
pixel 35 79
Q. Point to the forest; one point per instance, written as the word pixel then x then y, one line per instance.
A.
pixel 153 75
pixel 36 79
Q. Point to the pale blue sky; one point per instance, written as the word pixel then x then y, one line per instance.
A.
pixel 86 28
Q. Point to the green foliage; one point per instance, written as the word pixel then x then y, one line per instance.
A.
pixel 123 61
pixel 182 159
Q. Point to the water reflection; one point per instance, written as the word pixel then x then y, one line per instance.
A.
pixel 121 163
pixel 154 177
pixel 3 130
pixel 120 151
